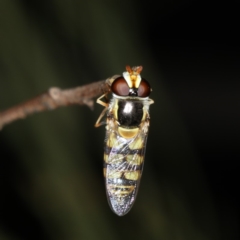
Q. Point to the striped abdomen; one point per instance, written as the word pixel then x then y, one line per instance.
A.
pixel 123 164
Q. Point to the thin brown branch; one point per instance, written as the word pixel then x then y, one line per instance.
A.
pixel 54 98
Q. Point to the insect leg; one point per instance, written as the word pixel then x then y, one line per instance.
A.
pixel 98 123
pixel 99 101
pixel 151 101
pixel 105 104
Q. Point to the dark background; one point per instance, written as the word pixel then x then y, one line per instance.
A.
pixel 51 163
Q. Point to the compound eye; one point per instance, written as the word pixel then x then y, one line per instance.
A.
pixel 120 87
pixel 144 89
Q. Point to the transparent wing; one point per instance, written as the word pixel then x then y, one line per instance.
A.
pixel 123 165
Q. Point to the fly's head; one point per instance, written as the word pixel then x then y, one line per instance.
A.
pixel 131 84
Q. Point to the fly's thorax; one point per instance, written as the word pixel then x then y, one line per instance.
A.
pixel 129 114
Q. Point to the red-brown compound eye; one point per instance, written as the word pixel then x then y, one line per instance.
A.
pixel 144 89
pixel 120 87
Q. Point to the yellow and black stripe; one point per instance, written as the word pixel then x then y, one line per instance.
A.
pixel 123 165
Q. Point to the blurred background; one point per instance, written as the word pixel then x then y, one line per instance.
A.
pixel 51 163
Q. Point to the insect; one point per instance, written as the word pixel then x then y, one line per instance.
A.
pixel 126 136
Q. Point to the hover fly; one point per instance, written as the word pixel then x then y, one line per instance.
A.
pixel 126 137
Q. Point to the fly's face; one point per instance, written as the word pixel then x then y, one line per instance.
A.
pixel 126 137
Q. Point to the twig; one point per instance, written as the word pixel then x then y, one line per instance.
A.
pixel 54 98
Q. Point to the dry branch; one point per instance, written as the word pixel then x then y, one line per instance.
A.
pixel 54 98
